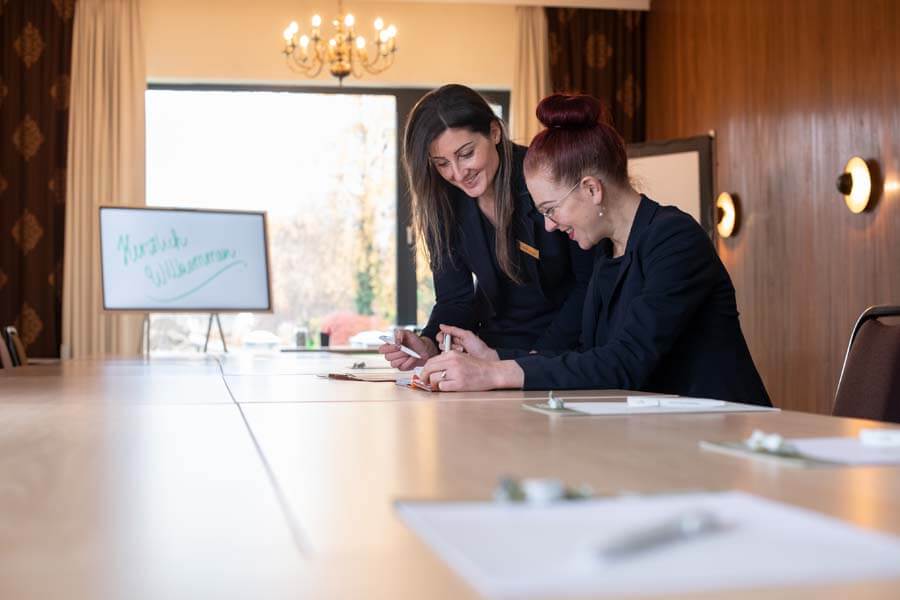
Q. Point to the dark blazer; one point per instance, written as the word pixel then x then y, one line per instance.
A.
pixel 671 325
pixel 563 270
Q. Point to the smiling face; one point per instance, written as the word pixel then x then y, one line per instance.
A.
pixel 572 210
pixel 467 159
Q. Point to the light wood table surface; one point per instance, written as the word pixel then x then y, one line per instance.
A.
pixel 255 479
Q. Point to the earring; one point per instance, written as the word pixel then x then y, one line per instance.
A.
pixel 600 213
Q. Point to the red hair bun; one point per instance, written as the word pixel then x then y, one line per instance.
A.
pixel 565 111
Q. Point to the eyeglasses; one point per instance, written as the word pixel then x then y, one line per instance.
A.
pixel 547 213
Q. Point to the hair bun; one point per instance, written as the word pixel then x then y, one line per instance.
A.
pixel 571 111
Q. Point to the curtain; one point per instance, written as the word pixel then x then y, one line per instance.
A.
pixel 35 61
pixel 602 53
pixel 106 166
pixel 531 79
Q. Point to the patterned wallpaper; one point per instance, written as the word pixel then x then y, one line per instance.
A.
pixel 602 53
pixel 35 62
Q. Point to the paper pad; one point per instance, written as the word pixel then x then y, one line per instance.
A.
pixel 517 550
pixel 816 452
pixel 613 408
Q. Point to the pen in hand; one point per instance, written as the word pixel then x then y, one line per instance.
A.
pixel 446 343
pixel 408 351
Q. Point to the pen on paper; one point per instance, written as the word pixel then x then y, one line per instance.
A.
pixel 680 528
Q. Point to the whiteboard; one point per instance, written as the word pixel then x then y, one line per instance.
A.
pixel 670 179
pixel 676 172
pixel 156 260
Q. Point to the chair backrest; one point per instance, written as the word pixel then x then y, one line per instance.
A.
pixel 869 386
pixel 16 347
pixel 6 360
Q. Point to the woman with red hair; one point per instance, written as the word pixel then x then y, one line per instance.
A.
pixel 660 312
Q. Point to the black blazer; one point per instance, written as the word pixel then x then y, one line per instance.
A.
pixel 563 270
pixel 671 325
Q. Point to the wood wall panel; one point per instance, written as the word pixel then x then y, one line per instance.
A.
pixel 792 89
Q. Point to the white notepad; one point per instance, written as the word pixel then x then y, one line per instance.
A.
pixel 846 450
pixel 631 405
pixel 816 452
pixel 523 551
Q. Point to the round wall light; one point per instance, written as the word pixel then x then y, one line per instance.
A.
pixel 855 183
pixel 726 215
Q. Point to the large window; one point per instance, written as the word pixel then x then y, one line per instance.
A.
pixel 324 165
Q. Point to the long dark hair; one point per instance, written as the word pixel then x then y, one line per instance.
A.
pixel 449 107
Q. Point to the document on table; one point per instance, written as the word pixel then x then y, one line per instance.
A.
pixel 518 550
pixel 816 452
pixel 368 374
pixel 646 405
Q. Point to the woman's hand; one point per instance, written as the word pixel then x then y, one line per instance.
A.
pixel 466 341
pixel 403 361
pixel 455 371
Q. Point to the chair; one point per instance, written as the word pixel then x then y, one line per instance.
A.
pixel 869 386
pixel 16 347
pixel 6 360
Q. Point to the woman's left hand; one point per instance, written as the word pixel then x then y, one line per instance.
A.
pixel 459 372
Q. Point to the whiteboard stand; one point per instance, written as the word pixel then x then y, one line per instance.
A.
pixel 144 343
pixel 209 330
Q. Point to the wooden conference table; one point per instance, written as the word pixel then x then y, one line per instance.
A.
pixel 253 478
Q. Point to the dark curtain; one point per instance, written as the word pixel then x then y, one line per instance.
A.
pixel 35 63
pixel 602 53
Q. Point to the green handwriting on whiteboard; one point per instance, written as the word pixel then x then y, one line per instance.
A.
pixel 174 268
pixel 133 252
pixel 171 267
pixel 201 285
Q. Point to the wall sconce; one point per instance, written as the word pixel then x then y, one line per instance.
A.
pixel 855 183
pixel 726 215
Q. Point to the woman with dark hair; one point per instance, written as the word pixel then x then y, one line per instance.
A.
pixel 496 269
pixel 660 312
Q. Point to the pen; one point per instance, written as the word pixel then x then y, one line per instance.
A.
pixel 446 343
pixel 389 340
pixel 683 527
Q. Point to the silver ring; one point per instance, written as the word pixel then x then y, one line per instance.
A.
pixel 443 374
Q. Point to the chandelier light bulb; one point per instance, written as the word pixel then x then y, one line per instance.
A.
pixel 304 41
pixel 360 42
pixel 391 31
pixel 332 42
pixel 294 27
pixel 316 20
pixel 287 34
pixel 379 24
pixel 349 20
pixel 383 36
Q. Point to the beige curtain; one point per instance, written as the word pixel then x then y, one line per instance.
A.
pixel 106 166
pixel 531 79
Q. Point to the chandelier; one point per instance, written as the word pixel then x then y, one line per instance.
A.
pixel 345 53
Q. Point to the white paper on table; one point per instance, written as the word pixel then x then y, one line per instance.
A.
pixel 846 450
pixel 702 406
pixel 525 551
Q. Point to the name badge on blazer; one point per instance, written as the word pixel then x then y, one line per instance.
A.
pixel 529 250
